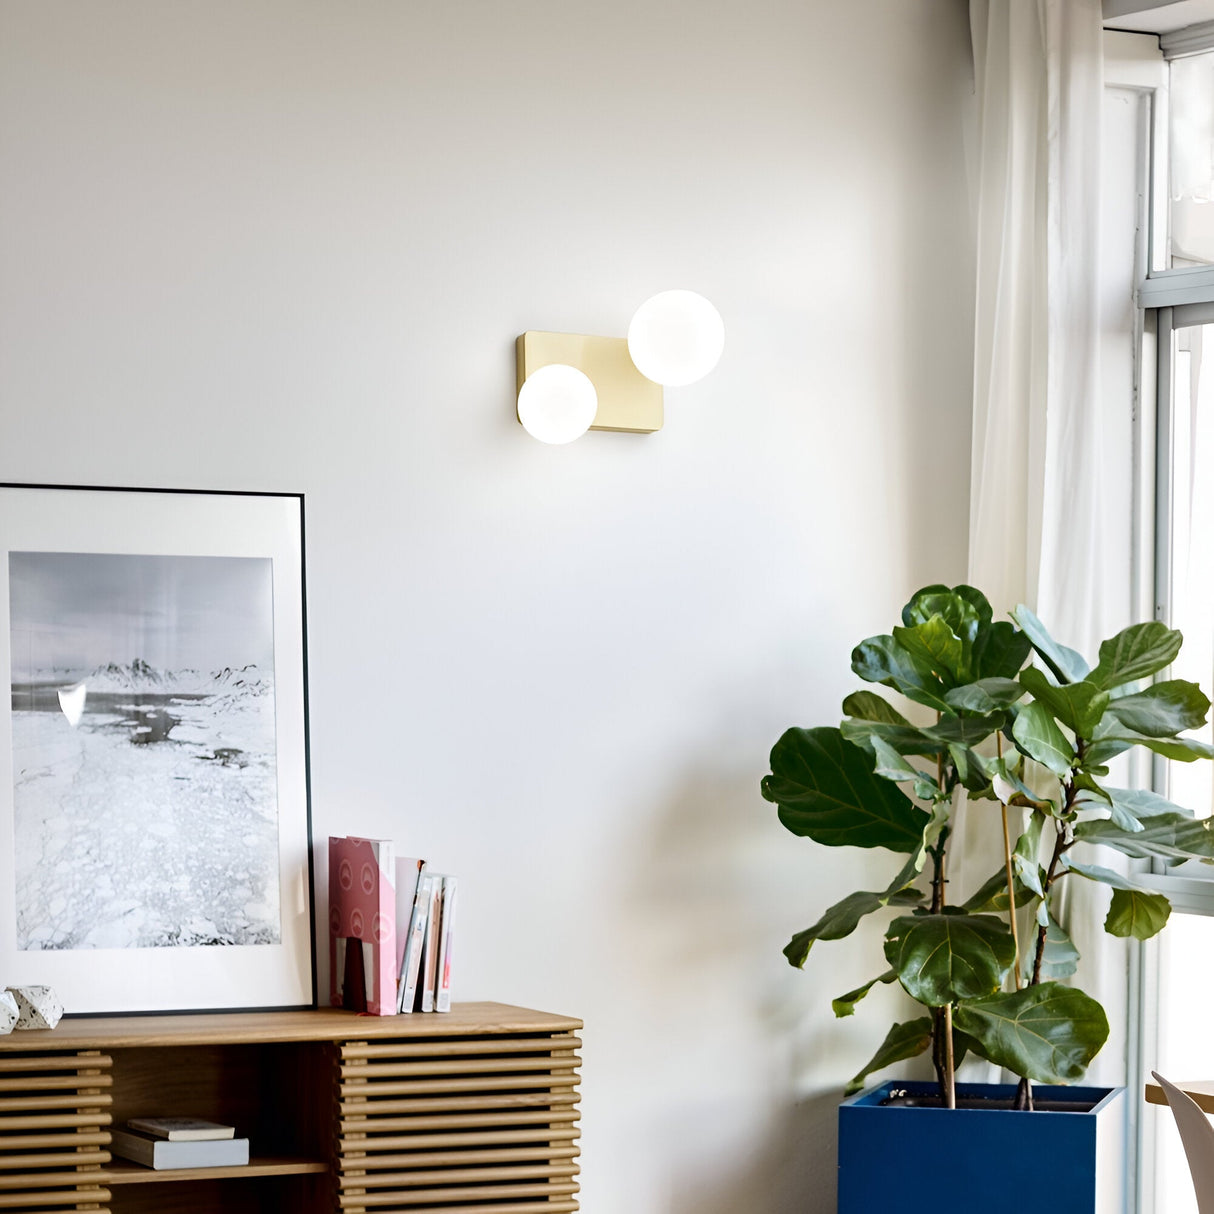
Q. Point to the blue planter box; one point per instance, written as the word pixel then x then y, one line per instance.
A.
pixel 980 1161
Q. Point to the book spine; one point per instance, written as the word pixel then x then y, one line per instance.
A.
pixel 381 977
pixel 430 947
pixel 408 872
pixel 337 944
pixel 362 907
pixel 411 965
pixel 132 1147
pixel 442 999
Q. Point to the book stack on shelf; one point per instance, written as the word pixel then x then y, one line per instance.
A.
pixel 164 1143
pixel 391 929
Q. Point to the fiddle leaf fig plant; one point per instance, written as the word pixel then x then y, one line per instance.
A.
pixel 1001 713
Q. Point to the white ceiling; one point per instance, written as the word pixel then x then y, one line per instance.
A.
pixel 1154 16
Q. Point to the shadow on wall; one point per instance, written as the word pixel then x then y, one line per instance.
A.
pixel 794 1174
pixel 716 890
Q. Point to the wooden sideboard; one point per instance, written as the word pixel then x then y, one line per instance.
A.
pixel 468 1112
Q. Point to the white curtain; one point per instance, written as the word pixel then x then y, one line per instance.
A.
pixel 1041 527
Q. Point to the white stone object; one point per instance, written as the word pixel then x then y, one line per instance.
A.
pixel 8 1013
pixel 38 1007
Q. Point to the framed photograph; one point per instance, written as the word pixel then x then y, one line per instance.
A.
pixel 155 834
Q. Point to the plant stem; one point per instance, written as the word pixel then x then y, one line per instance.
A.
pixel 1062 840
pixel 1011 893
pixel 938 878
pixel 938 1060
pixel 1011 880
pixel 1024 1091
pixel 950 1086
pixel 1060 845
pixel 942 1018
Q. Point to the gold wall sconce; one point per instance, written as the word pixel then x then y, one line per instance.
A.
pixel 568 384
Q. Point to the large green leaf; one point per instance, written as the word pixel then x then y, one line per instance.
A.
pixel 1048 1032
pixel 1010 788
pixel 1163 709
pixel 1168 836
pixel 844 917
pixel 963 609
pixel 1067 665
pixel 1079 706
pixel 1026 859
pixel 845 1005
pixel 943 958
pixel 972 770
pixel 1137 913
pixel 978 601
pixel 903 1041
pixel 1092 796
pixel 1134 911
pixel 905 739
pixel 991 896
pixel 919 608
pixel 935 643
pixel 1141 803
pixel 1136 653
pixel 1184 750
pixel 890 765
pixel 1125 806
pixel 869 706
pixel 1106 748
pixel 1037 734
pixel 1000 651
pixel 1060 958
pixel 881 659
pixel 827 790
pixel 968 731
pixel 1097 872
pixel 985 695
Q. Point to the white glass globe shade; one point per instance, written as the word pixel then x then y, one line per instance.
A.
pixel 557 404
pixel 676 338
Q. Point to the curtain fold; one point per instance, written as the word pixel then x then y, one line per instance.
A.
pixel 1042 470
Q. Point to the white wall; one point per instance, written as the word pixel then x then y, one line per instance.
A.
pixel 262 244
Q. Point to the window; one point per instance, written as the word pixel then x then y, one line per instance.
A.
pixel 1191 161
pixel 1179 979
pixel 1175 393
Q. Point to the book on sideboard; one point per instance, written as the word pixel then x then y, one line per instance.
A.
pixel 390 932
pixel 412 908
pixel 160 1154
pixel 362 918
pixel 429 962
pixel 180 1129
pixel 442 997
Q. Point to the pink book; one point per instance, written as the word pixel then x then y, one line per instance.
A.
pixel 362 917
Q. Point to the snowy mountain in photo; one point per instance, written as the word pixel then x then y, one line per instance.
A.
pixel 141 676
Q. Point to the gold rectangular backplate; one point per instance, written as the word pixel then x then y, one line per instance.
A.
pixel 627 400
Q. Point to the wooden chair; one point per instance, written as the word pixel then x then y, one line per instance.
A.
pixel 1197 1135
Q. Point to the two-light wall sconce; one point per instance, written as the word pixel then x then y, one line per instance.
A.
pixel 569 384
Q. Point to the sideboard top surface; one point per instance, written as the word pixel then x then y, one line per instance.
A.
pixel 226 1028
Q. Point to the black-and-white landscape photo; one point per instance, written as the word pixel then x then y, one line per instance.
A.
pixel 145 799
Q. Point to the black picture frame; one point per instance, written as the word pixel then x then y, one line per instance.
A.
pixel 91 805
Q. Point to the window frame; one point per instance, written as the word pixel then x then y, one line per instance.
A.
pixel 1166 299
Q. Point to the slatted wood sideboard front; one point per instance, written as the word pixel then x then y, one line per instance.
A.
pixel 471 1112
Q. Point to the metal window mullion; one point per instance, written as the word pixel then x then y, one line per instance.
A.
pixel 1164 430
pixel 1191 40
pixel 1186 315
pixel 1171 288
